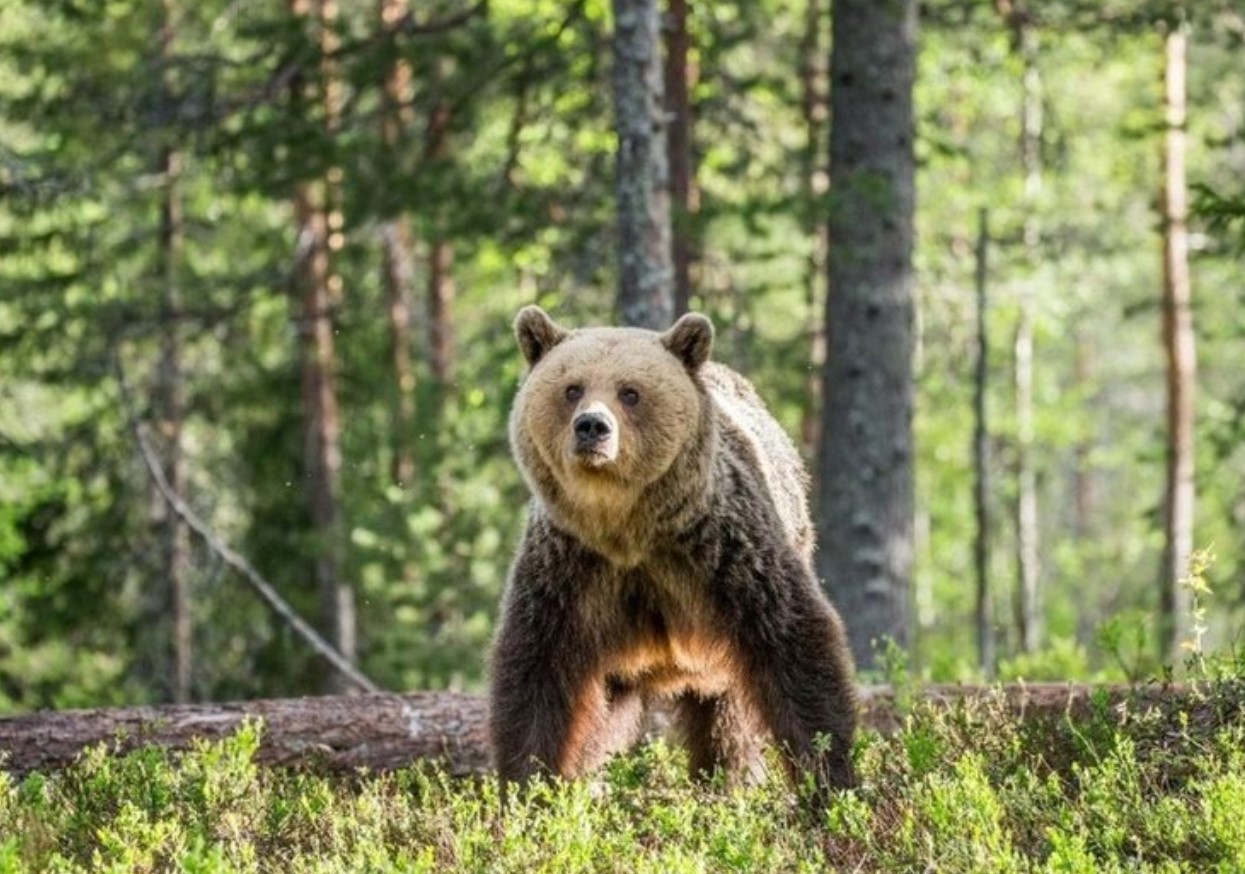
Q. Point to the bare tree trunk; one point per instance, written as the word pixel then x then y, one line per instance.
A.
pixel 518 121
pixel 323 450
pixel 1027 603
pixel 981 460
pixel 1178 343
pixel 645 272
pixel 1082 475
pixel 680 74
pixel 396 273
pixel 1084 531
pixel 319 234
pixel 440 300
pixel 440 312
pixel 172 410
pixel 170 399
pixel 816 181
pixel 396 276
pixel 865 523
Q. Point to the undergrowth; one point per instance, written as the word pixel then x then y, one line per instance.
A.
pixel 1156 783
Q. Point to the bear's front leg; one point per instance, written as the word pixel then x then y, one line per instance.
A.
pixel 548 700
pixel 798 674
pixel 546 704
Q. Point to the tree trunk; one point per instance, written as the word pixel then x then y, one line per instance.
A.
pixel 440 300
pixel 319 234
pixel 680 74
pixel 865 458
pixel 396 278
pixel 396 273
pixel 518 121
pixel 170 401
pixel 1084 530
pixel 816 181
pixel 1028 608
pixel 981 460
pixel 384 731
pixel 1082 472
pixel 323 449
pixel 330 733
pixel 1178 342
pixel 441 313
pixel 170 398
pixel 645 272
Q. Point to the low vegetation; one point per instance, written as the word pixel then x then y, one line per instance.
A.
pixel 1124 787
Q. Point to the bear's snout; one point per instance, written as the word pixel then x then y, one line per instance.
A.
pixel 592 428
pixel 596 434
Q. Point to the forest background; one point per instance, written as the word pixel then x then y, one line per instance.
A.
pixel 281 220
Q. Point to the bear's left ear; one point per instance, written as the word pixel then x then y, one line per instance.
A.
pixel 536 333
pixel 690 340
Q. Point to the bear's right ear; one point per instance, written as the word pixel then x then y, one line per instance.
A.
pixel 690 340
pixel 536 333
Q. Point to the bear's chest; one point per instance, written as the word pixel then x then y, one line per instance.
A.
pixel 666 637
pixel 612 529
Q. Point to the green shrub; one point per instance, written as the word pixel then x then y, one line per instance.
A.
pixel 971 788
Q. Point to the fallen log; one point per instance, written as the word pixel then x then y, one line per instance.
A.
pixel 336 733
pixel 386 731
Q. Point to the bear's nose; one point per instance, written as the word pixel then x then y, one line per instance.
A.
pixel 591 427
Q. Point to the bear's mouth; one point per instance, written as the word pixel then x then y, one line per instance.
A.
pixel 594 456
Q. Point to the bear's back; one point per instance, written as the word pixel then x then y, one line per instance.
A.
pixel 743 411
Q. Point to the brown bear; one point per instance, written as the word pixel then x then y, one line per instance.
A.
pixel 667 554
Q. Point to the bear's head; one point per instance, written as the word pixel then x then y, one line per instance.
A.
pixel 604 412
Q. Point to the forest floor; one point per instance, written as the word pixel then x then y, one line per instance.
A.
pixel 1134 785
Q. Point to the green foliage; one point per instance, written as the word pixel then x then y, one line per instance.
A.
pixel 1125 639
pixel 1062 659
pixel 1199 593
pixel 1224 213
pixel 975 788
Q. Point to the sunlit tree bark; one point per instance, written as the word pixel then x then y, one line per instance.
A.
pixel 441 311
pixel 1027 598
pixel 1178 343
pixel 680 73
pixel 396 273
pixel 645 271
pixel 170 393
pixel 865 458
pixel 984 614
pixel 318 222
pixel 816 180
pixel 440 291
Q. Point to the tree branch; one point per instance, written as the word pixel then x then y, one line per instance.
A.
pixel 267 593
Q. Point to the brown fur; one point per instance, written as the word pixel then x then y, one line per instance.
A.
pixel 675 564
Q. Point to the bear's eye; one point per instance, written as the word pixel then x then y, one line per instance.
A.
pixel 629 396
pixel 574 392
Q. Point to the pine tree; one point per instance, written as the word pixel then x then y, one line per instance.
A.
pixel 865 458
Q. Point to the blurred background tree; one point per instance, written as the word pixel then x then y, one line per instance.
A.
pixel 283 215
